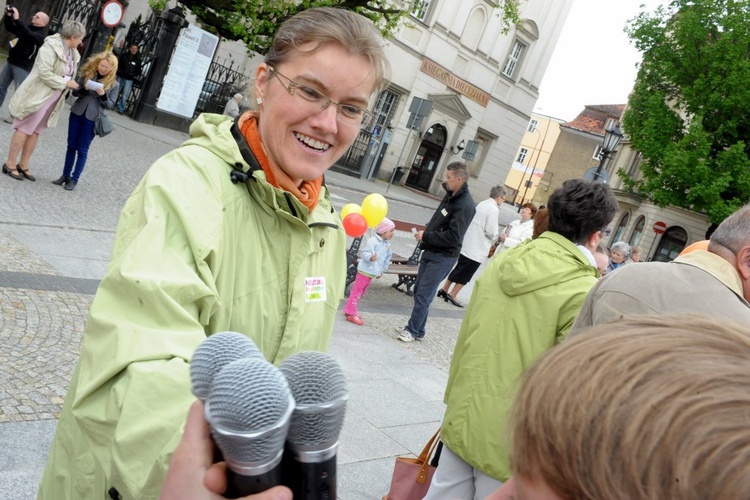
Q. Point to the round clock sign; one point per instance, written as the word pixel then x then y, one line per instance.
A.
pixel 112 13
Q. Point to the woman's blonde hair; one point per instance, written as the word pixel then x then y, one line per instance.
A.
pixel 323 25
pixel 648 407
pixel 90 67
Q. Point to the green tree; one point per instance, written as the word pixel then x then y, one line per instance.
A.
pixel 255 21
pixel 689 113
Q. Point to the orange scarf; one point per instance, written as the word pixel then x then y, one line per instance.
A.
pixel 307 192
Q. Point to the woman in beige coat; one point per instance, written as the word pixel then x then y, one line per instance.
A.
pixel 37 102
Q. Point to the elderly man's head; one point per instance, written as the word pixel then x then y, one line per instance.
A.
pixel 731 240
pixel 40 19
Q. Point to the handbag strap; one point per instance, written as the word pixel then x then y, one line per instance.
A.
pixel 424 457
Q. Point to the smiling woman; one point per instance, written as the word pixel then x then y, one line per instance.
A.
pixel 232 231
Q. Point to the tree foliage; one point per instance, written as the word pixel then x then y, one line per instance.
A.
pixel 255 21
pixel 689 113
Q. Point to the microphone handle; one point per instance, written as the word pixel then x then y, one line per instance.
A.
pixel 309 480
pixel 240 486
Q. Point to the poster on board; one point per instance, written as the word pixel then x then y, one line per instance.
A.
pixel 187 71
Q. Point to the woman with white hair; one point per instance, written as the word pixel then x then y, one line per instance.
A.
pixel 233 105
pixel 618 253
pixel 37 103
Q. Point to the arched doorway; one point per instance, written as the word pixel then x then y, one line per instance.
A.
pixel 671 244
pixel 425 163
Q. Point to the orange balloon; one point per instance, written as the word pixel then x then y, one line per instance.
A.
pixel 698 245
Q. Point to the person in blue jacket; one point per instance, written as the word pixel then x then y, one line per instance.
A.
pixel 373 262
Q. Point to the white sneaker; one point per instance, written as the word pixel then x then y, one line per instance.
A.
pixel 406 336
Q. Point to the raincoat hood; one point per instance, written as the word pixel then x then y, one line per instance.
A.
pixel 532 268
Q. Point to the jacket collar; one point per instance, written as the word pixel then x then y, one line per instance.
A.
pixel 716 266
pixel 451 194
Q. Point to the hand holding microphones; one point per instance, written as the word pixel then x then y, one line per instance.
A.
pixel 192 473
pixel 274 426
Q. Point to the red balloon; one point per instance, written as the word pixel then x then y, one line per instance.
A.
pixel 355 225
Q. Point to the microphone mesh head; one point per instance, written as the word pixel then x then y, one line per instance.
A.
pixel 213 354
pixel 249 396
pixel 315 379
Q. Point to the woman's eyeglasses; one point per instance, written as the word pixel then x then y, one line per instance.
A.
pixel 348 114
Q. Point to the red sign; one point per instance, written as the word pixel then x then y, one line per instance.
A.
pixel 659 227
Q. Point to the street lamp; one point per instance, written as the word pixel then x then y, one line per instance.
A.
pixel 459 147
pixel 612 138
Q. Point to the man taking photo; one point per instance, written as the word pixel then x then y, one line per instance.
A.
pixel 23 48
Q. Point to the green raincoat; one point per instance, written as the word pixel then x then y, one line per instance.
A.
pixel 523 304
pixel 195 254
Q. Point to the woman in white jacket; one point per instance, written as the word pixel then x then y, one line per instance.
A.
pixel 520 229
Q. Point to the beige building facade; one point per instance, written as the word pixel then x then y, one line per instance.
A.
pixel 528 168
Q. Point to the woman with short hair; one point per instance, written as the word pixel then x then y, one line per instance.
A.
pixel 37 103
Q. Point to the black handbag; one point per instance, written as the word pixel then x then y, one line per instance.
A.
pixel 102 125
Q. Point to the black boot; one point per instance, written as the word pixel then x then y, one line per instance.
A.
pixel 70 185
pixel 61 181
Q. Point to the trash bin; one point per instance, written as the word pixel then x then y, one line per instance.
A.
pixel 397 175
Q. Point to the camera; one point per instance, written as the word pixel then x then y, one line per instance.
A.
pixel 9 9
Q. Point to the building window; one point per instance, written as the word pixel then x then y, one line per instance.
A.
pixel 598 152
pixel 532 125
pixel 420 9
pixel 635 236
pixel 611 122
pixel 385 107
pixel 514 57
pixel 482 144
pixel 620 229
pixel 522 155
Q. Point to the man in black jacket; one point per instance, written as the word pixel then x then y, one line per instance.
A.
pixel 24 48
pixel 128 69
pixel 441 246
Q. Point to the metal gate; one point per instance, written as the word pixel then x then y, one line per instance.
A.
pixel 144 34
pixel 222 81
pixel 77 10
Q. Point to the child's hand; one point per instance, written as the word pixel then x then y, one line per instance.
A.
pixel 374 258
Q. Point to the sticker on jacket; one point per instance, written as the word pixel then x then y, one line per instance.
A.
pixel 315 289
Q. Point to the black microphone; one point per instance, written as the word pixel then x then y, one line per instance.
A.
pixel 319 388
pixel 215 353
pixel 248 409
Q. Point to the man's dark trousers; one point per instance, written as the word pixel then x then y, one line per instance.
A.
pixel 433 269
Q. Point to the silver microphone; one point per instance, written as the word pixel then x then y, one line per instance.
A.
pixel 318 385
pixel 248 410
pixel 213 354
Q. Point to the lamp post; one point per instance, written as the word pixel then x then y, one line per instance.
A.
pixel 612 138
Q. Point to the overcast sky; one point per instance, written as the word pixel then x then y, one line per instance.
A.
pixel 594 61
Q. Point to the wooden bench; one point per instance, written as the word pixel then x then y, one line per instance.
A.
pixel 404 267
